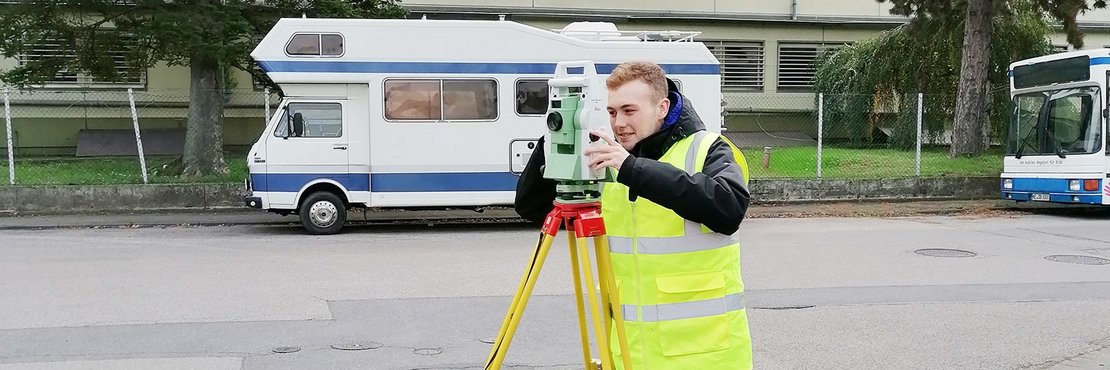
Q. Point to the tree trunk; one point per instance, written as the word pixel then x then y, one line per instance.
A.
pixel 204 139
pixel 969 134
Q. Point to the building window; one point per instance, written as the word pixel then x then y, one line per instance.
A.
pixel 531 97
pixel 741 64
pixel 796 68
pixel 320 120
pixel 315 44
pixel 441 100
pixel 56 49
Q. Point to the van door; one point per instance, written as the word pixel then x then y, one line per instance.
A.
pixel 308 143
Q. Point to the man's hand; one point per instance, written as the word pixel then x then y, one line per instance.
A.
pixel 608 154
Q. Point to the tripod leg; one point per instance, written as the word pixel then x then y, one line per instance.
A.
pixel 605 270
pixel 520 300
pixel 577 275
pixel 606 356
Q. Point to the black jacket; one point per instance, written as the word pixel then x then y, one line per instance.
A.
pixel 715 197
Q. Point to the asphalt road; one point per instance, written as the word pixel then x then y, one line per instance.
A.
pixel 846 293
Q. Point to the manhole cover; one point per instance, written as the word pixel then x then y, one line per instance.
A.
pixel 800 307
pixel 1080 260
pixel 286 349
pixel 427 351
pixel 942 252
pixel 358 346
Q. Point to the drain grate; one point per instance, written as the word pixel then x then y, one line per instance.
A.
pixel 1079 260
pixel 946 253
pixel 428 351
pixel 289 349
pixel 357 346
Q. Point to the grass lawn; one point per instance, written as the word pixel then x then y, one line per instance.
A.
pixel 798 162
pixel 107 170
pixel 843 163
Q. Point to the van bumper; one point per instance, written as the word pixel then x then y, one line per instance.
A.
pixel 253 202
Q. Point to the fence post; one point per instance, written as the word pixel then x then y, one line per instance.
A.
pixel 820 129
pixel 138 138
pixel 11 148
pixel 266 96
pixel 917 152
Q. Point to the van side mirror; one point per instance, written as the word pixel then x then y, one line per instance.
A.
pixel 298 125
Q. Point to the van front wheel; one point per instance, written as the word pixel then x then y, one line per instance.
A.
pixel 323 213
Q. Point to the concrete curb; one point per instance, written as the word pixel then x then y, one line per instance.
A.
pixel 817 190
pixel 49 199
pixel 101 198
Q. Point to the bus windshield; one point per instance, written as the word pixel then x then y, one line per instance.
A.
pixel 1057 122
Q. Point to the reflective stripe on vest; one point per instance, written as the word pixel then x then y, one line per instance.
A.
pixel 685 310
pixel 692 242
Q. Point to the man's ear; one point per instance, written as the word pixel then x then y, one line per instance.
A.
pixel 664 108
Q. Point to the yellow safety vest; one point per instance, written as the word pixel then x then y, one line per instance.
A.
pixel 679 283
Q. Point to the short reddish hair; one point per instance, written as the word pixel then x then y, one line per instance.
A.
pixel 648 72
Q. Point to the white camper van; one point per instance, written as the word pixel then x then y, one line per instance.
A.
pixel 428 113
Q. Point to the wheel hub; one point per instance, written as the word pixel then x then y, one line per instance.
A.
pixel 323 213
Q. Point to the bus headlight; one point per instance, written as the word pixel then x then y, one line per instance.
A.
pixel 1074 185
pixel 1007 183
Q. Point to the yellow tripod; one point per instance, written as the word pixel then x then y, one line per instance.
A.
pixel 585 220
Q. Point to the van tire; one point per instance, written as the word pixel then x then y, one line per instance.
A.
pixel 323 213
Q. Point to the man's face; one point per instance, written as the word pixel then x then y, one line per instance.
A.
pixel 634 113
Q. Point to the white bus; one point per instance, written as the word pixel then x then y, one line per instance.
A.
pixel 428 113
pixel 1056 150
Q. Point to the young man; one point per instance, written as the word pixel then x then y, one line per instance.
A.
pixel 672 219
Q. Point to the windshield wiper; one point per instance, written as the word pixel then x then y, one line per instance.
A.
pixel 1024 143
pixel 1056 144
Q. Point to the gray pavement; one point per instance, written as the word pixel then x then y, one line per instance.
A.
pixel 845 293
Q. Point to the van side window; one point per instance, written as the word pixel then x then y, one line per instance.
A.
pixel 441 100
pixel 331 45
pixel 320 120
pixel 314 44
pixel 470 99
pixel 531 97
pixel 412 100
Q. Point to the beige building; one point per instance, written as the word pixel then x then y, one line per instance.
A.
pixel 766 49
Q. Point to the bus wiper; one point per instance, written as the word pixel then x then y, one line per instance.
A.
pixel 1025 142
pixel 1056 145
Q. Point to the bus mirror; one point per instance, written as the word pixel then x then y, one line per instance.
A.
pixel 298 125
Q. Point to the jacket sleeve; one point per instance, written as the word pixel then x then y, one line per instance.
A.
pixel 534 194
pixel 715 197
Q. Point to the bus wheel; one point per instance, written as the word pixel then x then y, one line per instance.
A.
pixel 323 213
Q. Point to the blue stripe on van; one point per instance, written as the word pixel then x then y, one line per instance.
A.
pixel 391 182
pixel 1100 60
pixel 454 68
pixel 293 182
pixel 451 181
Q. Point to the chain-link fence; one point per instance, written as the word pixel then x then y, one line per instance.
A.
pixel 94 136
pixel 855 135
